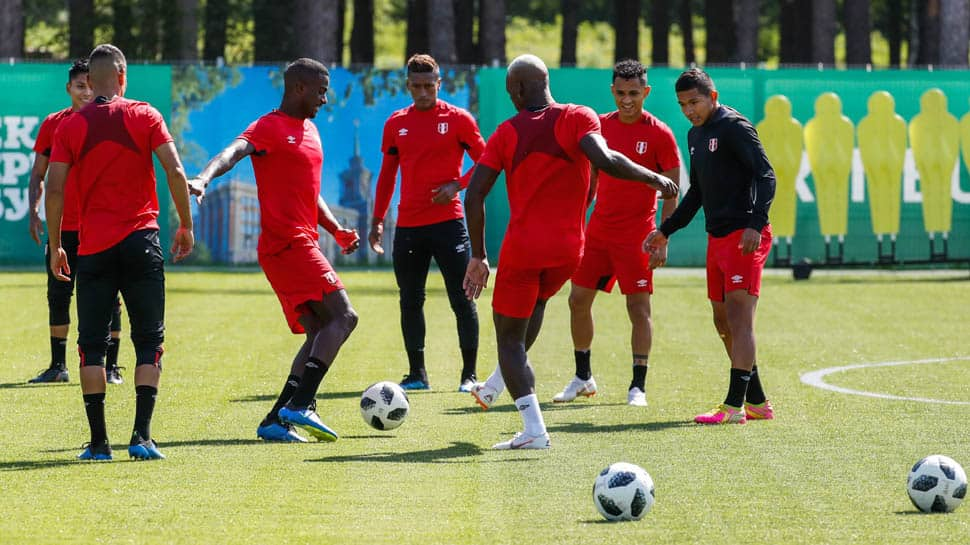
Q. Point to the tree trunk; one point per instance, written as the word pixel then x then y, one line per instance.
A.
pixel 746 30
pixel 895 32
pixel 81 25
pixel 660 32
pixel 719 23
pixel 272 30
pixel 216 15
pixel 465 31
pixel 954 32
pixel 314 23
pixel 122 23
pixel 362 35
pixel 149 30
pixel 823 31
pixel 338 35
pixel 570 32
pixel 12 28
pixel 796 36
pixel 627 14
pixel 441 17
pixel 417 33
pixel 686 19
pixel 491 31
pixel 927 45
pixel 180 39
pixel 858 48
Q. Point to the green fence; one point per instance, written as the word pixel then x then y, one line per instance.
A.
pixel 33 91
pixel 748 91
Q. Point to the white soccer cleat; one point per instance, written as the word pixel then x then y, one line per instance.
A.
pixel 576 387
pixel 521 441
pixel 484 395
pixel 636 397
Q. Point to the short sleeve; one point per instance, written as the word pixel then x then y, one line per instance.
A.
pixel 388 141
pixel 157 129
pixel 667 156
pixel 493 156
pixel 585 122
pixel 61 149
pixel 470 136
pixel 256 134
pixel 45 137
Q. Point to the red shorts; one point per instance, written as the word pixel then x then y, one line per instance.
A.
pixel 605 264
pixel 729 270
pixel 299 273
pixel 517 289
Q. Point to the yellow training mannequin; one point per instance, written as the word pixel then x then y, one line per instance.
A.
pixel 935 135
pixel 965 138
pixel 882 144
pixel 829 138
pixel 781 136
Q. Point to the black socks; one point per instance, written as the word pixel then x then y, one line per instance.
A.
pixel 582 364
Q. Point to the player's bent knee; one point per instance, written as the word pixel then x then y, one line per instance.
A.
pixel 149 355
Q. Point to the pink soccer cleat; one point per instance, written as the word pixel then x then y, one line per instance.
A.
pixel 722 414
pixel 761 411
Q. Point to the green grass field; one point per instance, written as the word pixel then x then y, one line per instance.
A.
pixel 830 469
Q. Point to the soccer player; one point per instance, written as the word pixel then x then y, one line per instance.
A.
pixel 625 212
pixel 109 144
pixel 545 151
pixel 730 177
pixel 428 141
pixel 287 157
pixel 59 293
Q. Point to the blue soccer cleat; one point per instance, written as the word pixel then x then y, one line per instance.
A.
pixel 100 452
pixel 145 449
pixel 307 419
pixel 279 433
pixel 410 382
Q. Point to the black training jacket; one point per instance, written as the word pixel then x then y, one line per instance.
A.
pixel 729 176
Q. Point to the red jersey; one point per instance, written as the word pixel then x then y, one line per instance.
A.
pixel 626 210
pixel 43 146
pixel 429 147
pixel 109 144
pixel 547 179
pixel 287 164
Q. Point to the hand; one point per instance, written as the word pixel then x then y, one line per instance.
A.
pixel 59 264
pixel 347 239
pixel 376 237
pixel 658 257
pixel 445 193
pixel 667 188
pixel 476 277
pixel 197 188
pixel 654 242
pixel 182 244
pixel 36 226
pixel 750 240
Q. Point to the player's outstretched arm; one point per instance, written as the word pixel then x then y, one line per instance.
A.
pixel 382 200
pixel 347 239
pixel 219 165
pixel 54 207
pixel 476 274
pixel 178 186
pixel 618 165
pixel 34 190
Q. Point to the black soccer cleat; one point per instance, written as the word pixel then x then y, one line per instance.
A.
pixel 51 374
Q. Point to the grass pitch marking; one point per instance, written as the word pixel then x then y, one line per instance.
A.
pixel 817 379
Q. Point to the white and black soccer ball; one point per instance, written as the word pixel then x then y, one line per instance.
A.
pixel 384 405
pixel 937 484
pixel 623 491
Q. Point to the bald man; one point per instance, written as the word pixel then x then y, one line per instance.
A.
pixel 108 145
pixel 287 159
pixel 545 151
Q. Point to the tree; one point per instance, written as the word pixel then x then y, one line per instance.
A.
pixel 180 38
pixel 272 29
pixel 465 31
pixel 81 27
pixel 954 32
pixel 491 31
pixel 660 32
pixel 858 49
pixel 149 30
pixel 11 28
pixel 314 23
pixel 796 36
pixel 686 19
pixel 362 35
pixel 417 33
pixel 215 19
pixel 895 31
pixel 627 25
pixel 719 23
pixel 122 24
pixel 925 43
pixel 746 30
pixel 338 35
pixel 441 33
pixel 823 31
pixel 570 32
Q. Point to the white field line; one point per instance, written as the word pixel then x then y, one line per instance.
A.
pixel 817 379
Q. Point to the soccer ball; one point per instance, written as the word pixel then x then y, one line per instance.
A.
pixel 937 484
pixel 384 405
pixel 623 492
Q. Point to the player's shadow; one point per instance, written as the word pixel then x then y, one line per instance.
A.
pixel 27 465
pixel 457 452
pixel 272 397
pixel 6 385
pixel 588 427
pixel 123 449
pixel 510 407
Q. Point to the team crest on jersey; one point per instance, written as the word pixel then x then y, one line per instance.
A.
pixel 641 147
pixel 712 144
pixel 442 128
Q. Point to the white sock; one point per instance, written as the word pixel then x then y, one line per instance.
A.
pixel 531 415
pixel 495 381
